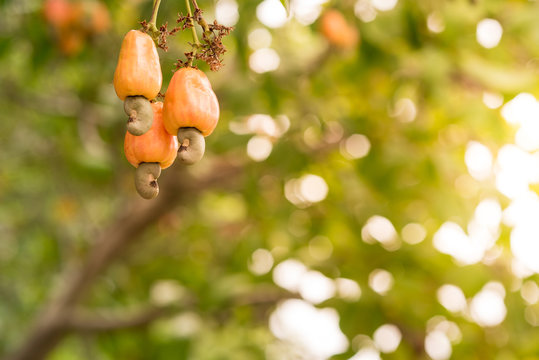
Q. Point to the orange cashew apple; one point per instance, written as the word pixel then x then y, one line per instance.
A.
pixel 138 79
pixel 150 152
pixel 190 111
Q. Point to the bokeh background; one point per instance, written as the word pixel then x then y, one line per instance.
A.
pixel 372 199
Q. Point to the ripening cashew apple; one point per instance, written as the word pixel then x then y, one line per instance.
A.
pixel 150 152
pixel 138 79
pixel 190 111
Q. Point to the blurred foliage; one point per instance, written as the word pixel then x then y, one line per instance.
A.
pixel 64 176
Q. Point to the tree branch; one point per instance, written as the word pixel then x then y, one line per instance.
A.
pixel 177 185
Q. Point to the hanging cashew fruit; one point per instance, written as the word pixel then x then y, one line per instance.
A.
pixel 190 111
pixel 150 152
pixel 138 79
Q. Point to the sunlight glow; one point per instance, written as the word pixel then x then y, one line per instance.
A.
pixel 261 124
pixel 449 328
pixel 348 289
pixel 259 148
pixel 306 11
pixel 366 353
pixel 364 10
pixel 483 228
pixel 510 184
pixel 271 13
pixel 478 159
pixel 452 240
pixel 305 191
pixel 515 170
pixel 520 270
pixel 387 338
pixel 355 146
pixel 492 100
pixel 405 110
pixel 381 281
pixel 524 244
pixel 259 38
pixel 413 233
pixel 288 274
pixel 291 192
pixel 226 12
pixel 313 188
pixel 527 137
pixel 438 346
pixel 435 22
pixel 261 262
pixel 487 307
pixel 315 287
pixel 185 324
pixel 166 292
pixel 521 109
pixel 488 214
pixel 282 122
pixel 264 60
pixel 452 298
pixel 522 210
pixel 530 292
pixel 315 332
pixel 489 33
pixel 384 5
pixel 382 230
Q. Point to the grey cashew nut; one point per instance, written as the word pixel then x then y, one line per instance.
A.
pixel 140 112
pixel 192 145
pixel 146 179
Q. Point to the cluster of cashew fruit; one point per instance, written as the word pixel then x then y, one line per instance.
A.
pixel 159 132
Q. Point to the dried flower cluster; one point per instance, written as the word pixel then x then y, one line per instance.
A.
pixel 209 50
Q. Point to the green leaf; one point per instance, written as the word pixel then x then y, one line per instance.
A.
pixel 286 5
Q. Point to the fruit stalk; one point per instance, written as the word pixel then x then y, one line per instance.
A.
pixel 153 19
pixel 194 32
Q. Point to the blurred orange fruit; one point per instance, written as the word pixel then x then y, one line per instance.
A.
pixel 100 18
pixel 74 21
pixel 57 12
pixel 71 41
pixel 337 31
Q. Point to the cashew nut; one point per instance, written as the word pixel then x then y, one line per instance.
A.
pixel 192 145
pixel 140 112
pixel 146 179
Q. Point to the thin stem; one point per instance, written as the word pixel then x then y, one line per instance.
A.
pixel 153 19
pixel 195 36
pixel 200 19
